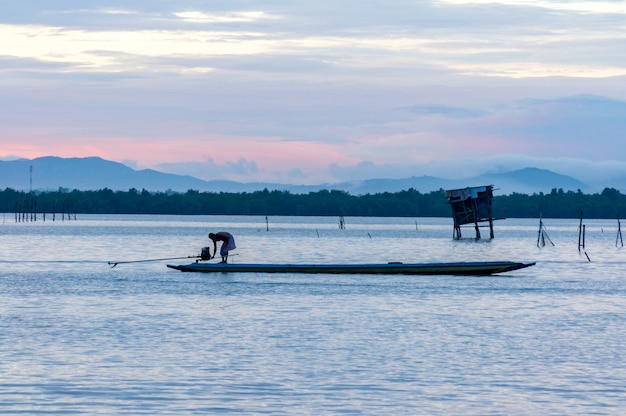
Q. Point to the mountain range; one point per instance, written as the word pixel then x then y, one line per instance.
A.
pixel 93 173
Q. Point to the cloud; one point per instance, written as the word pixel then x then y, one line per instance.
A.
pixel 211 170
pixel 551 126
pixel 583 6
pixel 315 91
pixel 445 111
pixel 228 17
pixel 450 35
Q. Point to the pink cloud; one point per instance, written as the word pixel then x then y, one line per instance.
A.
pixel 269 153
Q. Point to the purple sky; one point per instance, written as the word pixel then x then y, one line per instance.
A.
pixel 315 91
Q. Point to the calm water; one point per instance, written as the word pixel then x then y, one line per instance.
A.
pixel 79 337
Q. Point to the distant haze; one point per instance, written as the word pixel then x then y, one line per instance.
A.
pixel 52 173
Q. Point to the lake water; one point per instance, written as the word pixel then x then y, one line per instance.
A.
pixel 80 337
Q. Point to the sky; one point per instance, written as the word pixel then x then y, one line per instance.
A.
pixel 308 92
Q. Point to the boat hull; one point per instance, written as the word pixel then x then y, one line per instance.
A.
pixel 458 268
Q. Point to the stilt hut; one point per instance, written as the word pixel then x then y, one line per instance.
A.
pixel 471 206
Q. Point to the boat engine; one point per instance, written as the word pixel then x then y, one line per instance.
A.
pixel 205 253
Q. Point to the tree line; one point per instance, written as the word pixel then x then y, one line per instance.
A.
pixel 610 203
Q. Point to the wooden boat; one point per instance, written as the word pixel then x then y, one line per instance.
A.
pixel 480 268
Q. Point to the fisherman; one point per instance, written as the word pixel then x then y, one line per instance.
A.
pixel 228 243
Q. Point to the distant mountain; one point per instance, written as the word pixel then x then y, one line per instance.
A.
pixel 531 180
pixel 526 181
pixel 51 173
pixel 92 173
pixel 422 183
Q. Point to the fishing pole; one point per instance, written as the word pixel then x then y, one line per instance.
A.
pixel 115 263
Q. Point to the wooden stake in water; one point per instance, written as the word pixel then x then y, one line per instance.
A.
pixel 540 238
pixel 619 234
pixel 542 234
pixel 580 232
pixel 581 236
